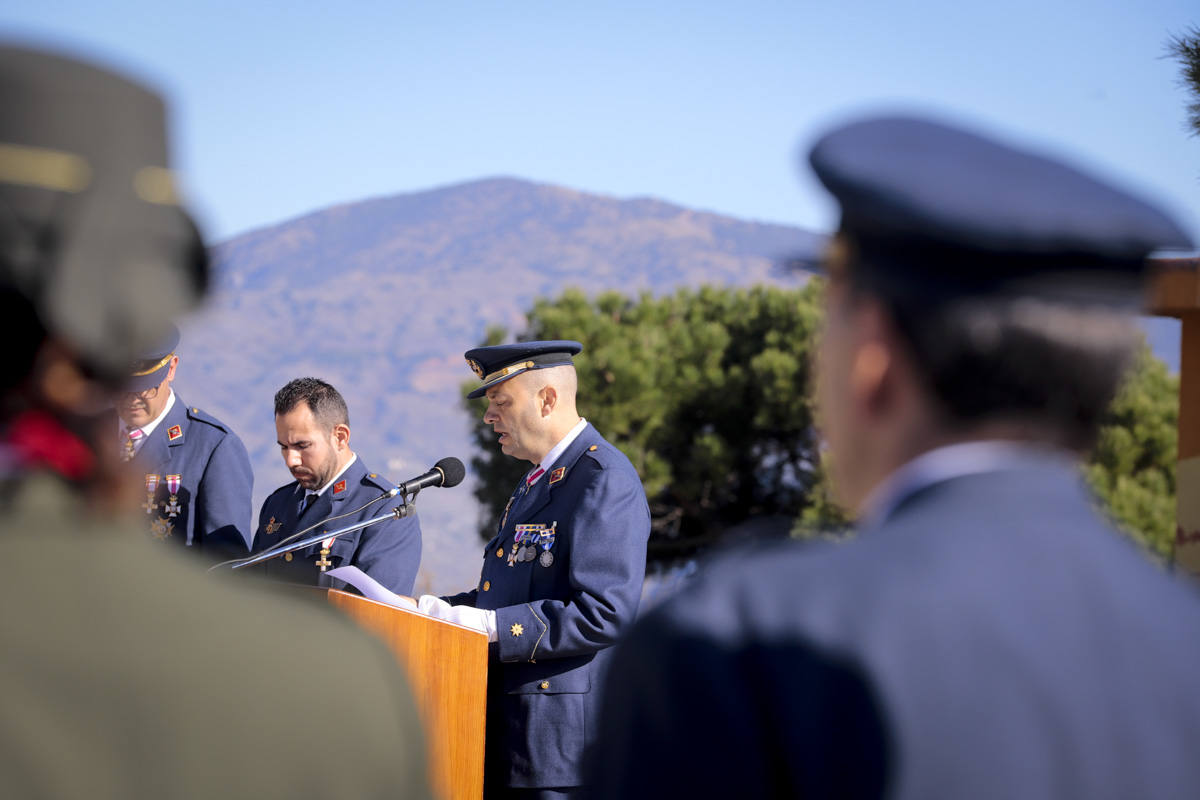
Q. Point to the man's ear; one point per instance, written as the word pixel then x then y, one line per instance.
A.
pixel 341 435
pixel 873 364
pixel 171 371
pixel 548 396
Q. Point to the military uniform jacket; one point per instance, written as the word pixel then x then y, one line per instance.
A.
pixel 555 623
pixel 388 551
pixel 991 638
pixel 139 676
pixel 198 483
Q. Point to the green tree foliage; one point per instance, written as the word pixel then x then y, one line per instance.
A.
pixel 1185 48
pixel 708 393
pixel 1132 468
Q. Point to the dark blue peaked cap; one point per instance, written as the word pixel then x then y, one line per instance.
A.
pixel 931 209
pixel 500 362
pixel 152 363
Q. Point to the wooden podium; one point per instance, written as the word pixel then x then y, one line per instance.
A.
pixel 447 669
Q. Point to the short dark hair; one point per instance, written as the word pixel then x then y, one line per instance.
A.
pixel 325 402
pixel 1020 359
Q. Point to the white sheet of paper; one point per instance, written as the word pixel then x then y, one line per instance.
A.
pixel 370 588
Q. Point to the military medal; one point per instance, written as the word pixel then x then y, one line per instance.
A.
pixel 323 562
pixel 172 506
pixel 151 487
pixel 161 528
pixel 546 540
pixel 512 554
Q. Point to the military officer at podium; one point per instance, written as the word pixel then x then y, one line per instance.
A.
pixel 333 489
pixel 561 578
pixel 987 634
pixel 195 469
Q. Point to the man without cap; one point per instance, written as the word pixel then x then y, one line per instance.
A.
pixel 986 635
pixel 195 469
pixel 561 578
pixel 129 673
pixel 333 489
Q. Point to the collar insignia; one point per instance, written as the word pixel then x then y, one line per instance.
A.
pixel 340 486
pixel 174 432
pixel 557 475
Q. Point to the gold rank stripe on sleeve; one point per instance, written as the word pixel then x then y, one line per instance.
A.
pixel 545 628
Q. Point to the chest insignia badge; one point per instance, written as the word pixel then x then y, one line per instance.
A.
pixel 273 526
pixel 161 528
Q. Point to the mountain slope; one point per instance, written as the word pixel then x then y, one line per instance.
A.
pixel 382 297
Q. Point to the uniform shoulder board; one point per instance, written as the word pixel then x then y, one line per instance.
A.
pixel 201 415
pixel 597 454
pixel 377 480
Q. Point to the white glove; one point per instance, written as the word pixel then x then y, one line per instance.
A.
pixel 481 619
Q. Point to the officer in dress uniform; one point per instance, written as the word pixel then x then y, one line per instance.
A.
pixel 987 634
pixel 561 578
pixel 195 469
pixel 333 489
pixel 128 672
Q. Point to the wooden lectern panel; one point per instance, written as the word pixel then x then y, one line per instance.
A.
pixel 447 669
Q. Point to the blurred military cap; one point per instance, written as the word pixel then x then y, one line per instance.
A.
pixel 932 207
pixel 91 230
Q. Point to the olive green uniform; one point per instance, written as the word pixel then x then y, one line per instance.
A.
pixel 128 672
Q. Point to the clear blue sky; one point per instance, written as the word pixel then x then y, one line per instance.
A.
pixel 279 109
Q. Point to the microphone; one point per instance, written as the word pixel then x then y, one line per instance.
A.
pixel 446 473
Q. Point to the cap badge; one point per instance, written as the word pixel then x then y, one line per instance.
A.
pixel 475 367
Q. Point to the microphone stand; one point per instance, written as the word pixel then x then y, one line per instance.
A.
pixel 400 511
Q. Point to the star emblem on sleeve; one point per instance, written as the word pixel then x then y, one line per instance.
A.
pixel 517 629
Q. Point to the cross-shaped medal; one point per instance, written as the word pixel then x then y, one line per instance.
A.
pixel 323 562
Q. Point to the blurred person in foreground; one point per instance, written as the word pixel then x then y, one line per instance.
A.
pixel 987 634
pixel 195 469
pixel 127 672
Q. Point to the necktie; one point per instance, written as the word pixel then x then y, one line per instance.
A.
pixel 309 499
pixel 533 476
pixel 129 445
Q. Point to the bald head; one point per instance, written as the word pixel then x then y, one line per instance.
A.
pixel 533 411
